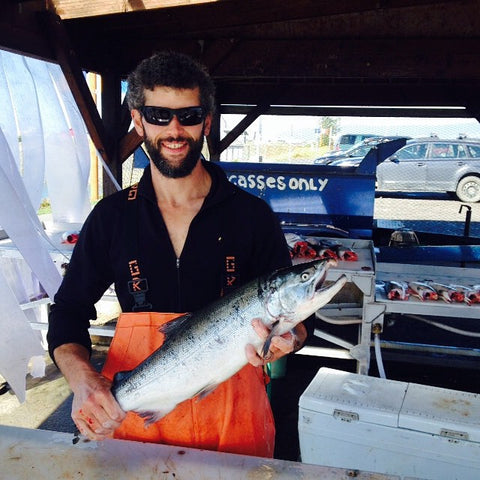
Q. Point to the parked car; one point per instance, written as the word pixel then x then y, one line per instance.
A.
pixel 434 165
pixel 353 156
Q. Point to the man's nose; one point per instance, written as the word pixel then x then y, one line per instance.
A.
pixel 175 126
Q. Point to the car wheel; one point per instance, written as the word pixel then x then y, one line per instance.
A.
pixel 468 189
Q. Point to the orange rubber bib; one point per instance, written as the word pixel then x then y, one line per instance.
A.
pixel 236 417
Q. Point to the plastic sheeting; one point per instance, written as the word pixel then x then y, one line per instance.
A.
pixel 67 158
pixel 20 343
pixel 18 89
pixel 20 221
pixel 43 148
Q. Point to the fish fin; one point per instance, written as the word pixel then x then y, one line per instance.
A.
pixel 151 417
pixel 205 391
pixel 266 347
pixel 175 325
pixel 268 341
pixel 120 376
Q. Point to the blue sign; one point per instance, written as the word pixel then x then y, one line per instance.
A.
pixel 317 198
pixel 309 197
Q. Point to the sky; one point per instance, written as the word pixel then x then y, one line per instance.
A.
pixel 413 127
pixel 296 128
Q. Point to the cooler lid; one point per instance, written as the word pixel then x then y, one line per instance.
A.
pixel 441 411
pixel 354 397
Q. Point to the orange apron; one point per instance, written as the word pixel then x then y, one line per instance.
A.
pixel 236 417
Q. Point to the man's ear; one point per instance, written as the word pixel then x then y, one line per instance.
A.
pixel 208 124
pixel 137 122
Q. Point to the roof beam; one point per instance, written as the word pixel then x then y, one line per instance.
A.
pixel 20 31
pixel 251 115
pixel 239 13
pixel 352 93
pixel 373 58
pixel 352 111
pixel 73 8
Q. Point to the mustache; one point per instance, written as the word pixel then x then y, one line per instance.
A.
pixel 159 140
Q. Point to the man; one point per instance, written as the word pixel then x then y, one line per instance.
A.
pixel 181 239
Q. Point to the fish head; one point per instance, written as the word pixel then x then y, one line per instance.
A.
pixel 292 294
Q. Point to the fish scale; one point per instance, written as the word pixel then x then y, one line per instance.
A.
pixel 205 348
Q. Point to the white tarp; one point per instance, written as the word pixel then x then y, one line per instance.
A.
pixel 19 90
pixel 19 342
pixel 20 221
pixel 43 147
pixel 66 169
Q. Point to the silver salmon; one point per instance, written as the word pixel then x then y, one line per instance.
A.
pixel 205 348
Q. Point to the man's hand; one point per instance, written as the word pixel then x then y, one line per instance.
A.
pixel 95 411
pixel 279 346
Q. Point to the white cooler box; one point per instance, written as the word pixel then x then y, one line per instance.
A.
pixel 358 422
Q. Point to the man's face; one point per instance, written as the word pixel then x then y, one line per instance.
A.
pixel 174 148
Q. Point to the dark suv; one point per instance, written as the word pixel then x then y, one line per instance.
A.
pixel 434 165
pixel 353 156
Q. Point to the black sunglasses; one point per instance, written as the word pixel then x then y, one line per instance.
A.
pixel 187 116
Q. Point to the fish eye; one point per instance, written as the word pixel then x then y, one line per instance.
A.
pixel 304 276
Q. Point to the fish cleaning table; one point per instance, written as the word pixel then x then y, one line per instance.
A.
pixel 422 273
pixel 415 307
pixel 47 455
pixel 26 286
pixel 352 301
pixel 364 299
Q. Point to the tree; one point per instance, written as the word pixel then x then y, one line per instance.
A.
pixel 329 127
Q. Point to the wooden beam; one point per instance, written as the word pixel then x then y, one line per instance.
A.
pixel 130 141
pixel 251 116
pixel 352 111
pixel 239 14
pixel 213 139
pixel 128 144
pixel 369 58
pixel 74 9
pixel 20 31
pixel 353 93
pixel 372 58
pixel 111 117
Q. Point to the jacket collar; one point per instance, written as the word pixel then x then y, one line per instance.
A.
pixel 220 190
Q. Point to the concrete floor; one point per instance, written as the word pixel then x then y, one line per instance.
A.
pixel 48 400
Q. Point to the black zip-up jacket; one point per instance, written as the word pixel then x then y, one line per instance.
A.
pixel 234 238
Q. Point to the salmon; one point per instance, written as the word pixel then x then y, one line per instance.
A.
pixel 205 348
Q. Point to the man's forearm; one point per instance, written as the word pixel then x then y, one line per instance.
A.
pixel 94 409
pixel 73 360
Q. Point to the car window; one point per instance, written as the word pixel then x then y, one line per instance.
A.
pixel 347 139
pixel 361 151
pixel 474 151
pixel 412 152
pixel 461 153
pixel 444 150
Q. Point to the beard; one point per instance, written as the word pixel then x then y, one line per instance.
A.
pixel 186 166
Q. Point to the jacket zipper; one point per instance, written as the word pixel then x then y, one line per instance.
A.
pixel 179 298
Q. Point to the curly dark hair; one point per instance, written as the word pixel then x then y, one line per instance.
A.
pixel 170 69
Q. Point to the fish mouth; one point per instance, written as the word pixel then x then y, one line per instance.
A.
pixel 319 284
